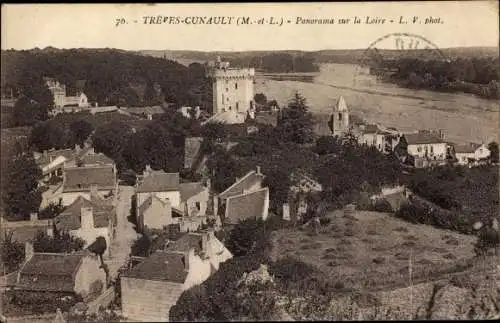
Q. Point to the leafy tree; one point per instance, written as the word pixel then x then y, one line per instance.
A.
pixel 99 247
pixel 142 246
pixel 328 145
pixel 296 123
pixel 50 134
pixel 260 98
pixel 214 131
pixel 488 238
pixel 11 253
pixel 61 242
pixel 111 140
pixel 34 105
pixel 20 194
pixel 223 169
pixel 81 130
pixel 51 211
pixel 245 237
pixel 494 153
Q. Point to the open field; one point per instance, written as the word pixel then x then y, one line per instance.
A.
pixel 370 250
pixel 464 117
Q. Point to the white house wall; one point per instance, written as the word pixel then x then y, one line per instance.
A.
pixel 438 150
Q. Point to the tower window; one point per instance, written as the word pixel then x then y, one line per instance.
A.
pixel 340 116
pixel 237 106
pixel 236 85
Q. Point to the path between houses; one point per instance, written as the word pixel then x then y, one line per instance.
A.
pixel 125 233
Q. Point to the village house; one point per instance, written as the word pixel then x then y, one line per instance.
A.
pixel 81 180
pixel 89 219
pixel 58 273
pixel 471 154
pixel 250 182
pixel 162 200
pixel 153 286
pixel 373 136
pixel 426 148
pixel 26 231
pixel 249 205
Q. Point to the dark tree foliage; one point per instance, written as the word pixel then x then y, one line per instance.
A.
pixel 296 122
pixel 494 152
pixel 141 246
pixel 50 134
pixel 61 242
pixel 244 237
pixel 27 112
pixel 478 76
pixel 20 194
pixel 51 211
pixel 224 169
pixel 260 98
pixel 99 247
pixel 81 130
pixel 328 145
pixel 113 77
pixel 450 188
pixel 214 131
pixel 353 167
pixel 111 139
pixel 11 253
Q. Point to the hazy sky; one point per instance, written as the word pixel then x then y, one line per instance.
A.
pixel 465 23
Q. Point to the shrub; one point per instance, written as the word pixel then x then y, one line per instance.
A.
pixel 339 285
pixel 453 241
pixel 371 232
pixel 349 232
pixel 382 205
pixel 449 256
pixel 324 221
pixel 379 260
pixel 401 229
pixel 408 244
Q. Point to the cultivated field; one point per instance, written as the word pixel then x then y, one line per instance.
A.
pixel 464 117
pixel 371 250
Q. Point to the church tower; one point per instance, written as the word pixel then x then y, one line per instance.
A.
pixel 339 121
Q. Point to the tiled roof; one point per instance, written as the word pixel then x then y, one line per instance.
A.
pixel 270 118
pixel 162 266
pixel 341 104
pixel 70 218
pixel 96 159
pixel 373 128
pixel 467 148
pixel 187 242
pixel 79 179
pixel 422 138
pixel 43 160
pixel 189 190
pixel 244 183
pixel 159 181
pixel 228 117
pixel 247 206
pixel 50 272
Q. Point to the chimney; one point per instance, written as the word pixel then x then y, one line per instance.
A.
pixel 205 237
pixel 94 192
pixel 258 170
pixel 87 218
pixel 33 216
pixel 147 170
pixel 216 205
pixel 50 228
pixel 28 251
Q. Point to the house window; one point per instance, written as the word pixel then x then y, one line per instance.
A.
pixel 236 85
pixel 419 148
pixel 432 149
pixel 198 206
pixel 237 106
pixel 340 116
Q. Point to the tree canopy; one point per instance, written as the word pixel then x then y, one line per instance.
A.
pixel 20 194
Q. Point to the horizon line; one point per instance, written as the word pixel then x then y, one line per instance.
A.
pixel 238 51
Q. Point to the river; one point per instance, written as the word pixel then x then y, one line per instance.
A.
pixel 464 117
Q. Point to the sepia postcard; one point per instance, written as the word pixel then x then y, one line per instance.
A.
pixel 250 162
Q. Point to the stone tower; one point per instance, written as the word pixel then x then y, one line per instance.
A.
pixel 339 121
pixel 232 87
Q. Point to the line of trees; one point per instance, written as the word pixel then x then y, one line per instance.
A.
pixel 477 76
pixel 278 63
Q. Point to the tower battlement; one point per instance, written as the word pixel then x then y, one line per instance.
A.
pixel 232 73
